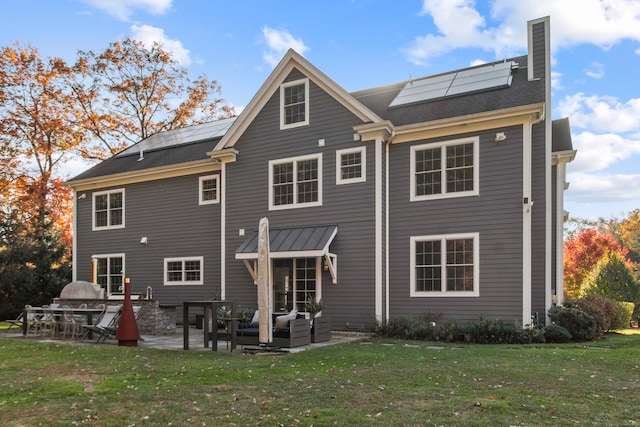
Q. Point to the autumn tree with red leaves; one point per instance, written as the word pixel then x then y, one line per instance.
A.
pixel 582 253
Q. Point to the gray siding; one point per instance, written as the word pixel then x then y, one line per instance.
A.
pixel 496 214
pixel 538 50
pixel 166 212
pixel 350 206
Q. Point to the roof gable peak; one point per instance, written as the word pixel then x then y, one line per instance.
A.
pixel 293 60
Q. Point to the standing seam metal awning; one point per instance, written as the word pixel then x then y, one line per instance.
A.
pixel 302 242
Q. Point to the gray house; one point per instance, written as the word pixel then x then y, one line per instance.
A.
pixel 441 195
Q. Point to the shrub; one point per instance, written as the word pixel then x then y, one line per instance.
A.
pixel 623 315
pixel 557 334
pixel 484 331
pixel 612 277
pixel 580 325
pixel 602 309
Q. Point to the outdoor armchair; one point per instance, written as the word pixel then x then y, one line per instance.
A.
pixel 108 319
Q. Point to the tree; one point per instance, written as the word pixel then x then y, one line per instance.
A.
pixel 612 278
pixel 581 255
pixel 129 92
pixel 49 113
pixel 34 264
pixel 630 234
pixel 37 133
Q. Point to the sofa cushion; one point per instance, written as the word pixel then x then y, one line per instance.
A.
pixel 282 322
pixel 256 318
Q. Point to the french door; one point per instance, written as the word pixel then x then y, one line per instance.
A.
pixel 294 283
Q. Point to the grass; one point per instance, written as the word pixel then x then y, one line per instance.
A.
pixel 379 382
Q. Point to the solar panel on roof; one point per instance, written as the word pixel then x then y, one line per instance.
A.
pixel 184 135
pixel 458 83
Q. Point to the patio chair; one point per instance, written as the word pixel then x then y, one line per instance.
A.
pixel 80 318
pixel 33 319
pixel 69 322
pixel 109 317
pixel 110 331
pixel 48 320
pixel 17 322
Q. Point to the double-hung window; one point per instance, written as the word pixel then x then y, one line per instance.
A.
pixel 295 182
pixel 445 266
pixel 108 209
pixel 209 189
pixel 445 169
pixel 183 271
pixel 294 104
pixel 350 165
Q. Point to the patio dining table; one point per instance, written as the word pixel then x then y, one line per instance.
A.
pixel 88 313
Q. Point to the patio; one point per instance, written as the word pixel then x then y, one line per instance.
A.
pixel 174 341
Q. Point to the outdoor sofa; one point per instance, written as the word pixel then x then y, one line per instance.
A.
pixel 287 333
pixel 321 328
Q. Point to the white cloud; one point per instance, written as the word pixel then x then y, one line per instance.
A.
pixel 123 9
pixel 601 188
pixel 601 113
pixel 447 16
pixel 278 42
pixel 595 70
pixel 597 152
pixel 148 34
pixel 601 23
pixel 555 80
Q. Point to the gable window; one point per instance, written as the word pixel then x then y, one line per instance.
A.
pixel 295 182
pixel 294 104
pixel 108 209
pixel 350 165
pixel 447 169
pixel 444 265
pixel 110 272
pixel 183 271
pixel 209 189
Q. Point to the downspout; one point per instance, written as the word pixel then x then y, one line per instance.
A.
pixel 378 228
pixel 74 242
pixel 560 187
pixel 223 225
pixel 527 225
pixel 386 237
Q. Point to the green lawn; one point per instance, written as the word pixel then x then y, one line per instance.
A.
pixel 372 383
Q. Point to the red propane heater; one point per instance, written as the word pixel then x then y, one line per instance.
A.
pixel 127 333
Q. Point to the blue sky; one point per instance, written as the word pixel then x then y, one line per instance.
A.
pixel 368 43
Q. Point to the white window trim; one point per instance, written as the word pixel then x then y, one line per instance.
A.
pixel 295 161
pixel 283 86
pixel 443 292
pixel 107 257
pixel 94 227
pixel 442 145
pixel 201 201
pixel 184 282
pixel 363 165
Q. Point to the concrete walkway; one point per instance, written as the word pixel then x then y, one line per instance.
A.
pixel 175 341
